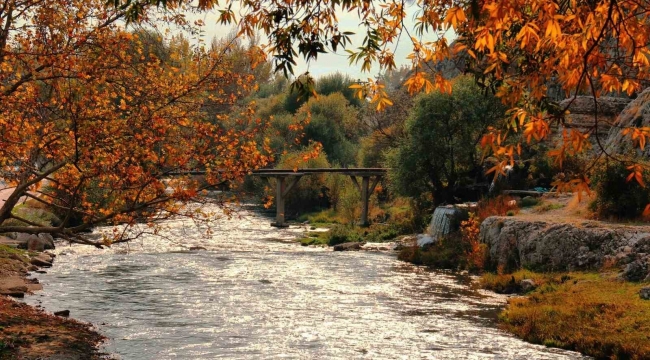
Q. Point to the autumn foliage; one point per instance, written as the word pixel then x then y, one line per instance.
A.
pixel 515 48
pixel 99 127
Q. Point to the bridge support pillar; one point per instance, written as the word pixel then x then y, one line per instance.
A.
pixel 282 188
pixel 366 190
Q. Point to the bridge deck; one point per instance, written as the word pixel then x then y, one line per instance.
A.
pixel 294 172
pixel 287 178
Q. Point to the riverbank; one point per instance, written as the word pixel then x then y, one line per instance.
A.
pixel 156 299
pixel 592 290
pixel 593 313
pixel 27 332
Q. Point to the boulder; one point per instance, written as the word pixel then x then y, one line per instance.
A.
pixel 635 114
pixel 644 293
pixel 555 246
pixel 635 271
pixel 350 246
pixel 33 242
pixel 42 260
pixel 62 313
pixel 582 113
pixel 527 285
pixel 196 248
pixel 48 240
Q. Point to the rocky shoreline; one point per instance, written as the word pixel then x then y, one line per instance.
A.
pixel 28 332
pixel 550 245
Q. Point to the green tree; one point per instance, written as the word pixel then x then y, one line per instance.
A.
pixel 440 152
pixel 337 82
pixel 334 124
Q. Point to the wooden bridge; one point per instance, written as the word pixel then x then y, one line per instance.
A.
pixel 287 179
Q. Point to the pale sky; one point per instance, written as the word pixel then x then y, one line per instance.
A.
pixel 327 63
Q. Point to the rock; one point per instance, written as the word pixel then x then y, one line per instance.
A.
pixel 62 313
pixel 33 242
pixel 555 246
pixel 4 240
pixel 527 285
pixel 15 294
pixel 36 244
pixel 41 260
pixel 644 293
pixel 23 239
pixel 48 239
pixel 424 240
pixel 582 111
pixel 636 114
pixel 196 248
pixel 635 271
pixel 350 246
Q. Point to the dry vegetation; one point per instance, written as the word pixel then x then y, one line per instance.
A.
pixel 28 333
pixel 592 313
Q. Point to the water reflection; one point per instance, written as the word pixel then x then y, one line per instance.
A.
pixel 248 297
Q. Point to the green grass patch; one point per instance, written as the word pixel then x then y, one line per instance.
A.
pixel 323 218
pixel 591 313
pixel 315 238
pixel 6 251
pixel 529 201
pixel 450 252
pixel 339 234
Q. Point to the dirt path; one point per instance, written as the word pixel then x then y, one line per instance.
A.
pixel 568 208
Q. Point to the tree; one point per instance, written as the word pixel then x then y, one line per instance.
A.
pixel 441 150
pixel 332 122
pixel 95 127
pixel 515 47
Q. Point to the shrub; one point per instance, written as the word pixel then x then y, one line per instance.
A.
pixel 496 206
pixel 342 234
pixel 616 197
pixel 529 201
pixel 475 251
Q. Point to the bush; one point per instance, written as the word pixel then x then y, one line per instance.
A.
pixel 342 234
pixel 615 196
pixel 496 206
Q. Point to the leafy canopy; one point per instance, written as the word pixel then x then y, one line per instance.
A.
pixel 96 119
pixel 515 47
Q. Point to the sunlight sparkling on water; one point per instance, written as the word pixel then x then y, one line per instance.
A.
pixel 255 295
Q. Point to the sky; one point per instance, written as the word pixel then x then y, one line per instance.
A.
pixel 331 62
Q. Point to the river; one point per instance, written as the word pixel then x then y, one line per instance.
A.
pixel 255 294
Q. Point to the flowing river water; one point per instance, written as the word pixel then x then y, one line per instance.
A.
pixel 255 294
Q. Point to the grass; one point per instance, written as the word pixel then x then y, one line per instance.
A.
pixel 8 251
pixel 591 313
pixel 400 223
pixel 542 208
pixel 315 238
pixel 339 234
pixel 323 218
pixel 529 201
